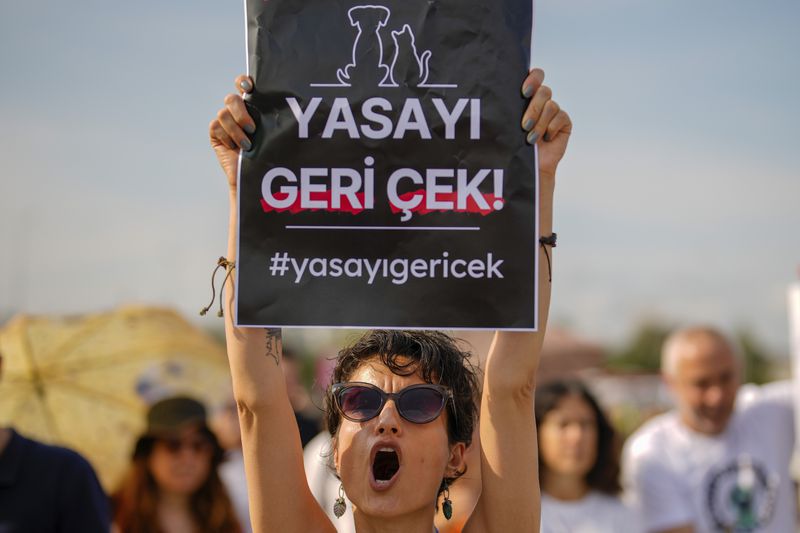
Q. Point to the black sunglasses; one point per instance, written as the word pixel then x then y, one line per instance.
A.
pixel 198 445
pixel 419 404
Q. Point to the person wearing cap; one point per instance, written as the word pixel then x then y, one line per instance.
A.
pixel 48 488
pixel 172 484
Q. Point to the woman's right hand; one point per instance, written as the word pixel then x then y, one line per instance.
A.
pixel 231 130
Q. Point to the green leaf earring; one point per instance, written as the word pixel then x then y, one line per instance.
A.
pixel 447 505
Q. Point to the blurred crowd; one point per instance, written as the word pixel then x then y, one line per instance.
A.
pixel 718 460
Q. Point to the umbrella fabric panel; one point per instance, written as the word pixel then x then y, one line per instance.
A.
pixel 86 382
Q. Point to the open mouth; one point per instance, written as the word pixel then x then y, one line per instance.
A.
pixel 385 465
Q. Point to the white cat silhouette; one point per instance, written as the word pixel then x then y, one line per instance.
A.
pixel 406 58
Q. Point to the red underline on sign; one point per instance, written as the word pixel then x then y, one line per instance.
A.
pixel 390 228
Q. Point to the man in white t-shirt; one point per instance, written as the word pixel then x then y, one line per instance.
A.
pixel 720 461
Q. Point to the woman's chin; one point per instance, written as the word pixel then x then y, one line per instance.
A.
pixel 379 508
pixel 391 502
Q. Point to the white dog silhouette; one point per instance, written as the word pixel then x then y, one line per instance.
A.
pixel 367 63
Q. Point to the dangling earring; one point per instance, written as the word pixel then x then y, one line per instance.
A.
pixel 447 505
pixel 339 506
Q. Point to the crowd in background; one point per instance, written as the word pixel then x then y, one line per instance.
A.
pixel 719 461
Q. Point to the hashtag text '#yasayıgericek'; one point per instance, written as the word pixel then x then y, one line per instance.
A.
pixel 398 270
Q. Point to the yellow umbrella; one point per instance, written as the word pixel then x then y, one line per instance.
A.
pixel 85 382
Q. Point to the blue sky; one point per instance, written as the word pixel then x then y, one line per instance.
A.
pixel 677 200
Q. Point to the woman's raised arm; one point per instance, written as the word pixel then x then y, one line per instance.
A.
pixel 510 499
pixel 280 499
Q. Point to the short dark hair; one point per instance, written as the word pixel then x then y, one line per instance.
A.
pixel 604 474
pixel 432 354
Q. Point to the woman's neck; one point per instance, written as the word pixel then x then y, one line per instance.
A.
pixel 173 500
pixel 417 522
pixel 564 487
pixel 174 512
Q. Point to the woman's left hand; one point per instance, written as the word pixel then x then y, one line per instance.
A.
pixel 545 123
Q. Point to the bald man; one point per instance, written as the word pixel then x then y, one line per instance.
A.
pixel 719 462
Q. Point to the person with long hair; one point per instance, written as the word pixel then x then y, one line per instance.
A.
pixel 401 409
pixel 579 458
pixel 172 485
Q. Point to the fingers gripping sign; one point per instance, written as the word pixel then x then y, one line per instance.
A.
pixel 231 129
pixel 546 124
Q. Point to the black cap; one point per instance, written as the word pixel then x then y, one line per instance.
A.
pixel 172 414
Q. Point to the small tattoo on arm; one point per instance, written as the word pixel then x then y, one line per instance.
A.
pixel 273 344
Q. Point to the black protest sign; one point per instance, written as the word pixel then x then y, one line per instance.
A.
pixel 389 184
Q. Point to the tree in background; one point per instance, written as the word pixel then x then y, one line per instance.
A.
pixel 642 353
pixel 758 366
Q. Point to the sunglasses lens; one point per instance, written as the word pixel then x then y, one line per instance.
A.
pixel 421 405
pixel 359 403
pixel 198 446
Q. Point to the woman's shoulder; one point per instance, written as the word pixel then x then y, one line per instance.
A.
pixel 603 498
pixel 596 512
pixel 594 498
pixel 614 509
pixel 606 511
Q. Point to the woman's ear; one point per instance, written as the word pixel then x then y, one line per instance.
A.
pixel 457 461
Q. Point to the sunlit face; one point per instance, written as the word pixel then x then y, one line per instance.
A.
pixel 705 382
pixel 568 438
pixel 181 464
pixel 389 466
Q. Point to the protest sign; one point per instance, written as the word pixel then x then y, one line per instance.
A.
pixel 389 183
